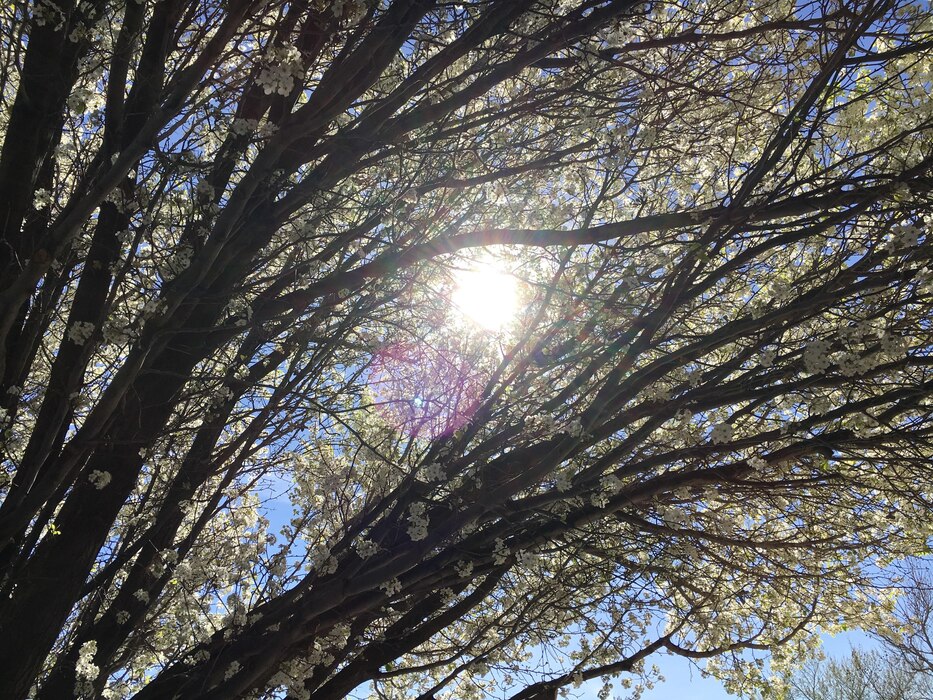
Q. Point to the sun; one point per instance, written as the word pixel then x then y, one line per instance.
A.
pixel 486 294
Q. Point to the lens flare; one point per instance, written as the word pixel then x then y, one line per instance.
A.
pixel 425 391
pixel 486 294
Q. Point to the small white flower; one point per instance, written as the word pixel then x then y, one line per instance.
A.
pixel 365 548
pixel 242 127
pixel 153 308
pixel 231 670
pixel 543 424
pixel 283 66
pixel 816 356
pixel 562 482
pixel 863 425
pixel 433 472
pixel 99 479
pixel 892 344
pixel 767 358
pixel 757 463
pixel 417 522
pixel 526 558
pixel 599 499
pixel 501 553
pixel 86 671
pixel 610 484
pixel 80 332
pixel 42 199
pixel 905 236
pixel 179 262
pixel 266 129
pixel 392 587
pixel 780 290
pixel 721 433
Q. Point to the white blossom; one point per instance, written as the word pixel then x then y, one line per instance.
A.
pixel 562 482
pixel 780 290
pixel 80 331
pixel 905 236
pixel 526 558
pixel 417 522
pixel 365 548
pixel 816 356
pixel 242 127
pixel 575 428
pixel 433 472
pixel 721 433
pixel 42 199
pixel 599 499
pixel 85 669
pixel 283 65
pixel 767 358
pixel 99 479
pixel 864 424
pixel 892 344
pixel 500 553
pixel 391 587
pixel 610 484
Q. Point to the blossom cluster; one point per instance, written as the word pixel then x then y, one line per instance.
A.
pixel 244 127
pixel 500 553
pixel 283 67
pixel 86 671
pixel 99 479
pixel 905 236
pixel 80 332
pixel 417 522
pixel 391 587
pixel 433 472
pixel 721 433
pixel 816 356
pixel 365 548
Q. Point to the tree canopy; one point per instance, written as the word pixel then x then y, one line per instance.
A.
pixel 871 675
pixel 427 349
pixel 900 667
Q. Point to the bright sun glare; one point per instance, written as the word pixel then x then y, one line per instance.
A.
pixel 486 294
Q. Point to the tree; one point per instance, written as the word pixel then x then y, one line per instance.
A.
pixel 872 675
pixel 907 631
pixel 901 668
pixel 230 232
